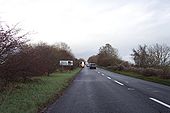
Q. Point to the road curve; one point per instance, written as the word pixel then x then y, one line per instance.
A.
pixel 101 91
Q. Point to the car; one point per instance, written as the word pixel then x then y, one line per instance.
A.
pixel 88 65
pixel 92 66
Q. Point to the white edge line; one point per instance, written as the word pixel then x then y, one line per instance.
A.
pixel 162 103
pixel 109 78
pixel 119 83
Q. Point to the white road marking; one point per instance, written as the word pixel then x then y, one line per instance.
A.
pixel 102 74
pixel 162 103
pixel 155 91
pixel 98 72
pixel 119 83
pixel 109 78
pixel 127 82
pixel 131 89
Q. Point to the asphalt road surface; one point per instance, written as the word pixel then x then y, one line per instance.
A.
pixel 101 91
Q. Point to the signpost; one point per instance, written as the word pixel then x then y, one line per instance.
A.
pixel 66 63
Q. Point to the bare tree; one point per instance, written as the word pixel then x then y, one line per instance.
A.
pixel 63 52
pixel 10 41
pixel 63 46
pixel 140 56
pixel 159 55
pixel 153 56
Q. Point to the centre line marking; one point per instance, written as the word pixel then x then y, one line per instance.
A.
pixel 127 82
pixel 102 74
pixel 119 83
pixel 109 78
pixel 162 103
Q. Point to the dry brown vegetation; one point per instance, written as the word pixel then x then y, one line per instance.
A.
pixel 20 60
pixel 151 60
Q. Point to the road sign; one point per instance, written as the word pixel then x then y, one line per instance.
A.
pixel 66 62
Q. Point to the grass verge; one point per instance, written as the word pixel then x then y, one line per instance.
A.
pixel 32 96
pixel 151 78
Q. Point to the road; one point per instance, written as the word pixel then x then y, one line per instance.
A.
pixel 101 91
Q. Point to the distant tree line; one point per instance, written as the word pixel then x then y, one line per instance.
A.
pixel 153 60
pixel 107 56
pixel 20 60
pixel 152 56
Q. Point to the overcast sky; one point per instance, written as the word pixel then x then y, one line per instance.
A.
pixel 86 25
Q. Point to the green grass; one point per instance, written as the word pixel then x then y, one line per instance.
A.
pixel 31 96
pixel 151 78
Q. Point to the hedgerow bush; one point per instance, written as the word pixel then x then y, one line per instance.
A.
pixel 152 72
pixel 162 73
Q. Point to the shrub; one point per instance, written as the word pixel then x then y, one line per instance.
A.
pixel 111 68
pixel 152 72
pixel 18 66
pixel 29 61
pixel 134 69
pixel 149 72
